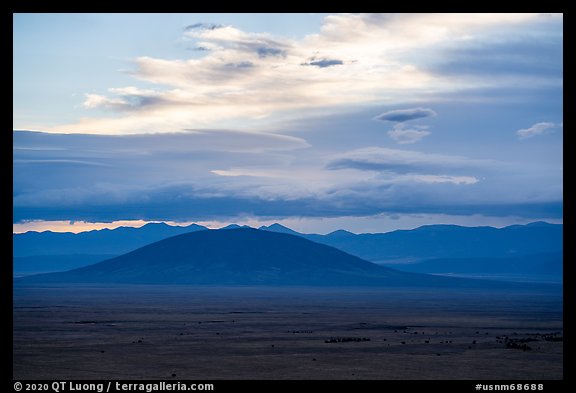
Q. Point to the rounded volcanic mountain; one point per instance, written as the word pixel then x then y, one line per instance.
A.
pixel 242 256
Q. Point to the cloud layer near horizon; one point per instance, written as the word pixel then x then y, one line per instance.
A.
pixel 194 176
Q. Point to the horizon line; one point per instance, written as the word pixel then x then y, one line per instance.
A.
pixel 137 224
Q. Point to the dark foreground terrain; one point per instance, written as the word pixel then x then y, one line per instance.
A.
pixel 200 333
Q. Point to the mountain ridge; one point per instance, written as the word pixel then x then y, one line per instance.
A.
pixel 229 256
pixel 245 256
pixel 38 249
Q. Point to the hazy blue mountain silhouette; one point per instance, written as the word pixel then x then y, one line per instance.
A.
pixel 234 226
pixel 42 252
pixel 281 229
pixel 431 241
pixel 49 251
pixel 530 252
pixel 105 241
pixel 447 241
pixel 242 257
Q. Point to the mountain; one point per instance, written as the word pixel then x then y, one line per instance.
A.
pixel 43 252
pixel 105 241
pixel 234 226
pixel 280 229
pixel 340 233
pixel 530 252
pixel 49 251
pixel 430 241
pixel 450 241
pixel 241 257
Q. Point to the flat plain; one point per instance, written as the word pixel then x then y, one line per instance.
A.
pixel 210 333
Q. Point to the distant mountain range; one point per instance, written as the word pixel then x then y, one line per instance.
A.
pixel 104 241
pixel 243 256
pixel 532 252
pixel 530 249
pixel 41 252
pixel 446 241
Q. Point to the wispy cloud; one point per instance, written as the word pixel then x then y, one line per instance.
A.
pixel 207 26
pixel 127 99
pixel 406 136
pixel 323 63
pixel 85 145
pixel 404 161
pixel 446 179
pixel 266 52
pixel 536 129
pixel 402 115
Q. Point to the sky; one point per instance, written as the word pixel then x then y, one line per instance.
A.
pixel 364 122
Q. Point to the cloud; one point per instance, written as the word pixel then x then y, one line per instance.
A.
pixel 48 145
pixel 401 30
pixel 266 52
pixel 446 179
pixel 402 115
pixel 402 134
pixel 534 50
pixel 403 161
pixel 236 41
pixel 323 63
pixel 403 178
pixel 127 99
pixel 245 78
pixel 212 174
pixel 536 129
pixel 105 176
pixel 206 26
pixel 241 64
pixel 405 136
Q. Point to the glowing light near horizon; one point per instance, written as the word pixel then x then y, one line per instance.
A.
pixel 82 226
pixel 370 224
